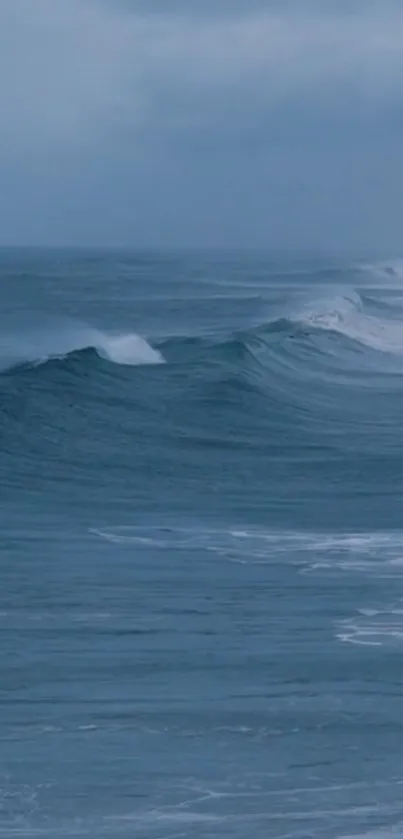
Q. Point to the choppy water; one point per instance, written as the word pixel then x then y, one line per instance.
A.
pixel 201 579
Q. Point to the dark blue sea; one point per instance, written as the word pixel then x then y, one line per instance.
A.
pixel 201 524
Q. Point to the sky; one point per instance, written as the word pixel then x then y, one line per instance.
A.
pixel 202 123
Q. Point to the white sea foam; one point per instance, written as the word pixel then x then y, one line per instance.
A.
pixel 379 553
pixel 374 627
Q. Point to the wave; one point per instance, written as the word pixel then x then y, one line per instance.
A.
pixel 345 314
pixel 339 339
pixel 386 270
pixel 129 349
pixel 315 338
pixel 34 347
pixel 307 328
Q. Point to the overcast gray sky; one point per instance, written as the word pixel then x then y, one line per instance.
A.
pixel 201 123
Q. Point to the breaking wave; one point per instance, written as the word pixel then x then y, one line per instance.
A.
pixel 348 314
pixel 331 335
pixel 384 270
pixel 37 346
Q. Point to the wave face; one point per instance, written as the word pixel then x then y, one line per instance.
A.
pixel 289 369
pixel 201 463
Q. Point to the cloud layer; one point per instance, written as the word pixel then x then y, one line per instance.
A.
pixel 234 101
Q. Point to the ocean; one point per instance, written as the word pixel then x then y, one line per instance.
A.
pixel 201 577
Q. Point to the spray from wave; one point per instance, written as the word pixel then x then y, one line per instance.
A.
pixel 57 341
pixel 128 349
pixel 346 314
pixel 384 271
pixel 371 323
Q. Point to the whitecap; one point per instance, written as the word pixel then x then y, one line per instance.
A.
pixel 130 349
pixel 385 270
pixel 344 313
pixel 35 346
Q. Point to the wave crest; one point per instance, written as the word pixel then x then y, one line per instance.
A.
pixel 387 270
pixel 35 347
pixel 346 315
pixel 130 349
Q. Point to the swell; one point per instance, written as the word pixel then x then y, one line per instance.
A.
pixel 340 338
pixel 344 334
pixel 304 390
pixel 333 363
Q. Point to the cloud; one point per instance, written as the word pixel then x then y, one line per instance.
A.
pixel 108 98
pixel 70 70
pixel 60 72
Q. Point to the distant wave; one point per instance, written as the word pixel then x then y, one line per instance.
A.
pixel 37 346
pixel 385 270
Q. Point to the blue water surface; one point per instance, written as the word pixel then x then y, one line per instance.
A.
pixel 201 579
